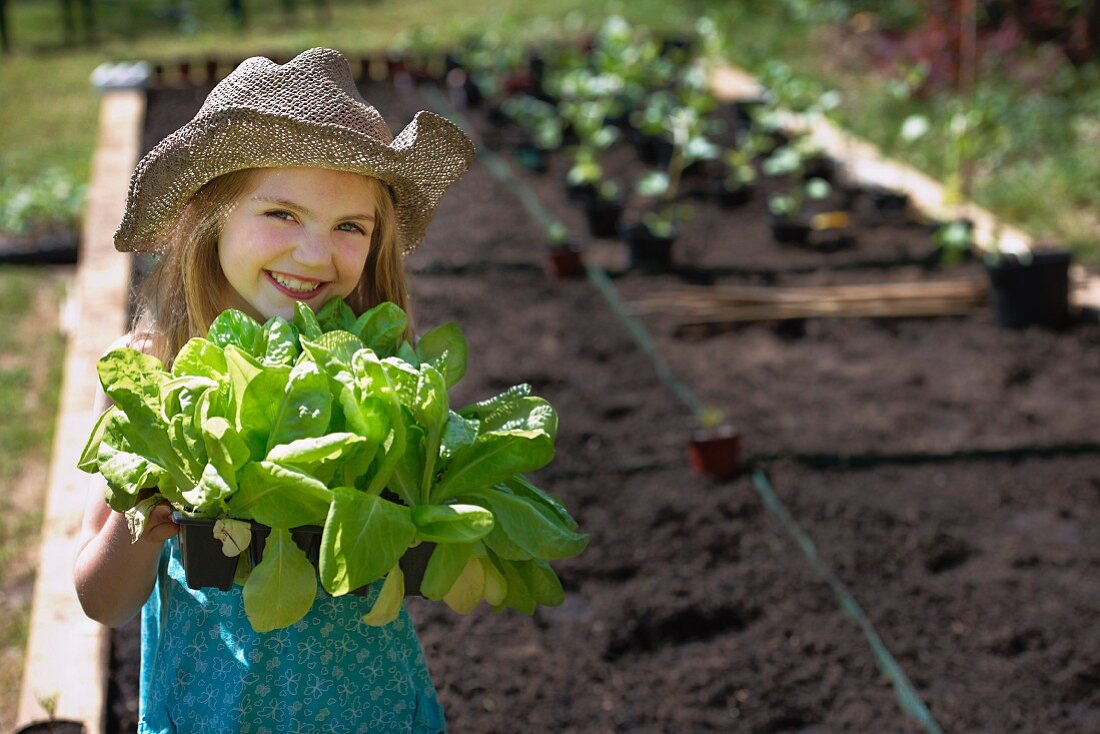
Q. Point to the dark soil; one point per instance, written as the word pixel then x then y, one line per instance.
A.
pixel 981 578
pixel 692 609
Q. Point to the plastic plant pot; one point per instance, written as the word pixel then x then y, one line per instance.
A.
pixel 653 150
pixel 819 166
pixel 648 251
pixel 603 217
pixel 790 230
pixel 413 564
pixel 531 158
pixel 715 452
pixel 887 201
pixel 204 563
pixel 308 538
pixel 53 726
pixel 728 198
pixel 580 193
pixel 1033 292
pixel 565 261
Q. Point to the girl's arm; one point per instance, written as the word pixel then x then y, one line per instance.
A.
pixel 113 576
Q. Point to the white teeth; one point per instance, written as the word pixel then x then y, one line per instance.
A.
pixel 294 284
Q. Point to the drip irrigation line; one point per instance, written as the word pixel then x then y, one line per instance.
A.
pixel 476 266
pixel 599 279
pixel 619 470
pixel 910 702
pixel 871 460
pixel 709 274
pixel 907 697
pixel 500 168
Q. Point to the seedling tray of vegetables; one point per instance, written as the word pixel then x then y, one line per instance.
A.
pixel 337 422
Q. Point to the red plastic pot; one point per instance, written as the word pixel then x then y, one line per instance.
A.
pixel 715 452
pixel 564 261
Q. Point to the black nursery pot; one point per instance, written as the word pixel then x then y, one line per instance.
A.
pixel 413 564
pixel 653 150
pixel 531 157
pixel 308 538
pixel 820 166
pixel 53 726
pixel 579 193
pixel 204 564
pixel 728 198
pixel 790 230
pixel 603 217
pixel 648 251
pixel 1033 293
pixel 887 201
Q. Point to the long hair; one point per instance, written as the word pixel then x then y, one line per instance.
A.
pixel 187 289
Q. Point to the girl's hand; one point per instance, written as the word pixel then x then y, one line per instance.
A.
pixel 158 525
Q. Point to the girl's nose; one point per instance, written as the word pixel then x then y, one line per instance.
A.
pixel 313 249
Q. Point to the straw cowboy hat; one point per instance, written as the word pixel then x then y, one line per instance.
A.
pixel 306 112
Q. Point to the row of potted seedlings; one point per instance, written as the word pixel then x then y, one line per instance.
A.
pixel 624 86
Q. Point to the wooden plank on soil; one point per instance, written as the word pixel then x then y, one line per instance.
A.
pixel 716 305
pixel 1085 294
pixel 66 651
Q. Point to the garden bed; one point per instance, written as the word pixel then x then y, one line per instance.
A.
pixel 980 576
pixel 692 610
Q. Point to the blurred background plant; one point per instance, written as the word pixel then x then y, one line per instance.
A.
pixel 1031 120
pixel 47 204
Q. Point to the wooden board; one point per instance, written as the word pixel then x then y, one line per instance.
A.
pixel 67 652
pixel 724 304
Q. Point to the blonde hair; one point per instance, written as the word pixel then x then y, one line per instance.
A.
pixel 187 289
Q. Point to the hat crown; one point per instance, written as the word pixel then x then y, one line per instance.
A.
pixel 316 86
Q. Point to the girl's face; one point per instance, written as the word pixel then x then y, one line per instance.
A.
pixel 297 234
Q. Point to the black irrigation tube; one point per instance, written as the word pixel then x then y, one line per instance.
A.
pixel 915 458
pixel 707 275
pixel 476 266
pixel 908 699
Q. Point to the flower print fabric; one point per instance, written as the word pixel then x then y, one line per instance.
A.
pixel 204 670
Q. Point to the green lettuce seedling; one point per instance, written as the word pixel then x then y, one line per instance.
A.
pixel 338 421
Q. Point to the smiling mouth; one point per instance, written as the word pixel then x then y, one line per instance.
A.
pixel 295 287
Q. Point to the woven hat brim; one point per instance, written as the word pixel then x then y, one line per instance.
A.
pixel 428 156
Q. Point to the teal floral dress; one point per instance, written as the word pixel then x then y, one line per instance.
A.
pixel 204 670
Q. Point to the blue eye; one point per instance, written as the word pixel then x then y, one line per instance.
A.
pixel 280 214
pixel 354 227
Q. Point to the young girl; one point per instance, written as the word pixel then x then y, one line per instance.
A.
pixel 285 186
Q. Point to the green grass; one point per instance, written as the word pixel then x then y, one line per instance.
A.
pixel 49 115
